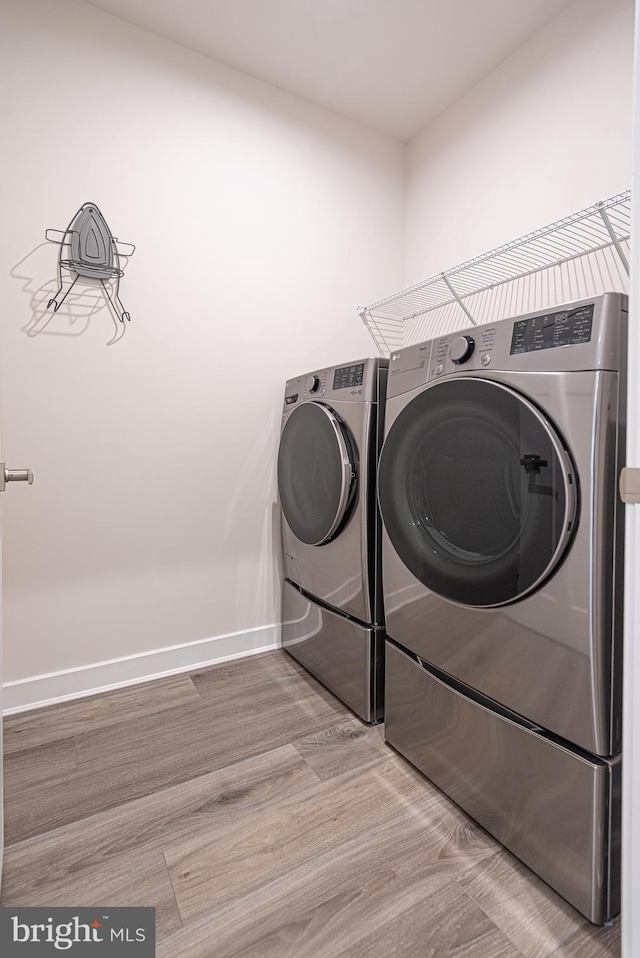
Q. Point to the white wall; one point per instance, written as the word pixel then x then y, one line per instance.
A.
pixel 546 134
pixel 260 223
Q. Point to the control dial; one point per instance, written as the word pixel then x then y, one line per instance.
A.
pixel 313 384
pixel 461 349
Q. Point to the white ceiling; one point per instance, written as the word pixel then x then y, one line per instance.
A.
pixel 393 65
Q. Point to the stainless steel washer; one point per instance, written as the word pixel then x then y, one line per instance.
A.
pixel 502 559
pixel 331 530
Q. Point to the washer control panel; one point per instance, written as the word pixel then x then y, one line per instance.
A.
pixel 347 377
pixel 355 382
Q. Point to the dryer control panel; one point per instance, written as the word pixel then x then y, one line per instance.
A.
pixel 467 350
pixel 578 336
pixel 563 328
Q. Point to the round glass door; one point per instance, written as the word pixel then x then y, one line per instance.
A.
pixel 316 473
pixel 477 492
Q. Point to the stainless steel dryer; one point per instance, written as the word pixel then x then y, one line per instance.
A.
pixel 331 531
pixel 502 566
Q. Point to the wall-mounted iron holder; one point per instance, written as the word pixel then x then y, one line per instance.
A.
pixel 582 255
pixel 88 249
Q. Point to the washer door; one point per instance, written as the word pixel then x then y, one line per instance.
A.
pixel 316 473
pixel 477 492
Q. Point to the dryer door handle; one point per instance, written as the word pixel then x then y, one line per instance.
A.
pixel 533 463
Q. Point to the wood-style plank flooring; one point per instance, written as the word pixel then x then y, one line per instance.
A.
pixel 263 820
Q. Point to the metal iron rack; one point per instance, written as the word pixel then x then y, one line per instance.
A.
pixel 581 255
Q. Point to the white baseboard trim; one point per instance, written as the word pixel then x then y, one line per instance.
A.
pixel 38 691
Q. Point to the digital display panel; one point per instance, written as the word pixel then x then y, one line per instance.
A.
pixel 566 328
pixel 348 376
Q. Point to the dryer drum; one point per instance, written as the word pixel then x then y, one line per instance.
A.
pixel 317 473
pixel 477 492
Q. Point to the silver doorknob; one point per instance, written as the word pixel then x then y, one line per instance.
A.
pixel 14 475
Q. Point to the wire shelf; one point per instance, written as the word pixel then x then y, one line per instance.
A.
pixel 582 255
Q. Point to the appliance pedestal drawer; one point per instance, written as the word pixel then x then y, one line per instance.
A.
pixel 343 654
pixel 556 808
